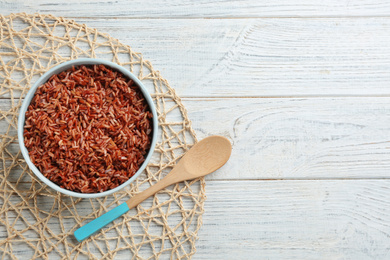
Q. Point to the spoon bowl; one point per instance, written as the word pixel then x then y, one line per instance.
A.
pixel 203 158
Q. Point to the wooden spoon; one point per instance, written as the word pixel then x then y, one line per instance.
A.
pixel 203 158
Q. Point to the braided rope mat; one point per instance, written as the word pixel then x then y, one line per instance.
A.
pixel 35 221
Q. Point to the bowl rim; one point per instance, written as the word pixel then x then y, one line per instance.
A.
pixel 43 79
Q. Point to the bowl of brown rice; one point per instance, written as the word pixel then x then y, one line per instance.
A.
pixel 87 128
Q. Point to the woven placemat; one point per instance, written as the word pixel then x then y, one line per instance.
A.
pixel 35 221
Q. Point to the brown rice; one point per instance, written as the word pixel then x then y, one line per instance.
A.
pixel 88 129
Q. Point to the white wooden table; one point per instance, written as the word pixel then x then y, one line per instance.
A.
pixel 302 90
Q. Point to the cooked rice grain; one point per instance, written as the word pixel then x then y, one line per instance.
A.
pixel 88 129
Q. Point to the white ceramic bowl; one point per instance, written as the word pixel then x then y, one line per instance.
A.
pixel 42 80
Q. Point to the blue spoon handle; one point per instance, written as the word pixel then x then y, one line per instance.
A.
pixel 95 225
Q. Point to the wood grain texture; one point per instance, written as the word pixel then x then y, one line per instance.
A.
pixel 344 219
pixel 296 219
pixel 298 138
pixel 199 9
pixel 262 57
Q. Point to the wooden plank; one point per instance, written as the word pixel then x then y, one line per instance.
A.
pixel 298 138
pixel 296 219
pixel 316 138
pixel 199 9
pixel 262 57
pixel 342 219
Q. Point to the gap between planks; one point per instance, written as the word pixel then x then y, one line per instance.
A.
pixel 269 97
pixel 225 18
